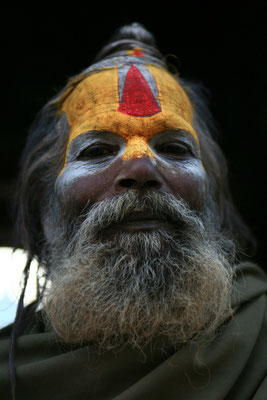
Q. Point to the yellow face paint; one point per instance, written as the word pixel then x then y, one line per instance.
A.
pixel 135 102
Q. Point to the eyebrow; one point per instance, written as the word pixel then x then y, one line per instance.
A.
pixel 75 145
pixel 178 132
pixel 182 134
pixel 96 134
pixel 93 135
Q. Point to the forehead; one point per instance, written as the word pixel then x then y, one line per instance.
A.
pixel 129 99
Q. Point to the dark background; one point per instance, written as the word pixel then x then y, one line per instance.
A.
pixel 225 49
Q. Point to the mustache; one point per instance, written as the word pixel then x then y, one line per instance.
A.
pixel 120 208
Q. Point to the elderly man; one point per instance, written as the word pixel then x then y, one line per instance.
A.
pixel 123 199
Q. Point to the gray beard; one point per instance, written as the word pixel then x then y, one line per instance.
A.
pixel 129 288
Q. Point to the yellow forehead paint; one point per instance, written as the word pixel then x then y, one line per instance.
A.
pixel 133 101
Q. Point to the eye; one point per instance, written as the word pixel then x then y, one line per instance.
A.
pixel 174 150
pixel 98 151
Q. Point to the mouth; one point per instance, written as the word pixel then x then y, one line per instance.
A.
pixel 140 221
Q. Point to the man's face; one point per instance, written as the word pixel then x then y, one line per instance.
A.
pixel 130 128
pixel 134 253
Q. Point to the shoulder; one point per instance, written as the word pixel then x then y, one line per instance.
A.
pixel 30 322
pixel 250 283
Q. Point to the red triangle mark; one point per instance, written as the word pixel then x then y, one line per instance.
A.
pixel 138 53
pixel 137 99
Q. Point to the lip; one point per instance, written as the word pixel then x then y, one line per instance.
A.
pixel 140 216
pixel 140 225
pixel 140 221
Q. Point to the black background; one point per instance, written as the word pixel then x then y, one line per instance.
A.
pixel 223 48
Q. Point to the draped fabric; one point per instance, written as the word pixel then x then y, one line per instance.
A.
pixel 232 366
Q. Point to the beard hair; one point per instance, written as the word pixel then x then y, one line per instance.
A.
pixel 129 288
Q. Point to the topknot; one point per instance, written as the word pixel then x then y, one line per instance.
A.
pixel 136 32
pixel 129 37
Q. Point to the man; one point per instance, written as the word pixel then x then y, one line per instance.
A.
pixel 146 292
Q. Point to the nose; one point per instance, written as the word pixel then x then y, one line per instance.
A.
pixel 138 173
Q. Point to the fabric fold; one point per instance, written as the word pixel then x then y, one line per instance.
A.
pixel 232 366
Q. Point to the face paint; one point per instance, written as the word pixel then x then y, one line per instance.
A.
pixel 136 52
pixel 135 101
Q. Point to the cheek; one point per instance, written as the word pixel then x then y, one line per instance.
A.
pixel 77 188
pixel 190 183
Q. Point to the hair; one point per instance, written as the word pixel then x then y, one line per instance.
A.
pixel 43 157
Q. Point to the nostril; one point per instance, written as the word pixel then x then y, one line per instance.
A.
pixel 127 183
pixel 152 184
